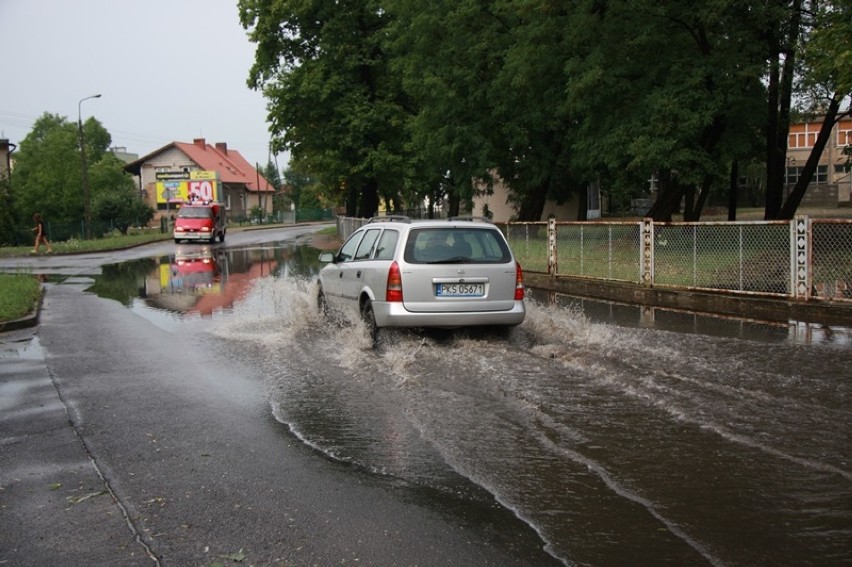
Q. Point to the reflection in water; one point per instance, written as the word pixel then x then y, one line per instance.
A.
pixel 201 280
pixel 123 282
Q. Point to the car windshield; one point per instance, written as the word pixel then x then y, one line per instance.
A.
pixel 449 245
pixel 195 213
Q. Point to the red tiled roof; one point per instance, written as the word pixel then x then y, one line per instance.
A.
pixel 231 165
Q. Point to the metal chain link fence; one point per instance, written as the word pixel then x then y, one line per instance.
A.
pixel 760 257
pixel 529 244
pixel 831 257
pixel 609 251
pixel 755 257
pixel 745 257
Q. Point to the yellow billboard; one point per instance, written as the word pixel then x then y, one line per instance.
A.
pixel 187 186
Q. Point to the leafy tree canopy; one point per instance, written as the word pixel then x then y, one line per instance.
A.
pixel 399 100
pixel 48 176
pixel 333 102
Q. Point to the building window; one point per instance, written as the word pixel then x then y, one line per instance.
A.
pixel 820 175
pixel 844 136
pixel 802 139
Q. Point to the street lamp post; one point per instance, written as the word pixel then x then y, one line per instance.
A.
pixel 87 208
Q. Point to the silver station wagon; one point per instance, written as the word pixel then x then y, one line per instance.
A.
pixel 395 272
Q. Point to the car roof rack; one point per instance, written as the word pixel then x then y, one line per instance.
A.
pixel 391 218
pixel 469 219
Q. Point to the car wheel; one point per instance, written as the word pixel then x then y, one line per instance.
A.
pixel 369 318
pixel 222 237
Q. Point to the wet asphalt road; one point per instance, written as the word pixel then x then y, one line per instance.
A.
pixel 122 444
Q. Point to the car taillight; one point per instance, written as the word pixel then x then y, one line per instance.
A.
pixel 178 229
pixel 519 282
pixel 394 289
pixel 205 229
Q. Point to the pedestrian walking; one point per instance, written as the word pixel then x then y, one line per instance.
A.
pixel 41 236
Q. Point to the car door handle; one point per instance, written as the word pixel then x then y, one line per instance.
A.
pixel 358 274
pixel 340 275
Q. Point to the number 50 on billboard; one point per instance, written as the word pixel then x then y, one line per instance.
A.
pixel 202 186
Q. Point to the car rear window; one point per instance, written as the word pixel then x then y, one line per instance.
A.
pixel 450 245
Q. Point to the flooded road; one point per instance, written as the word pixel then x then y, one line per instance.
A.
pixel 616 444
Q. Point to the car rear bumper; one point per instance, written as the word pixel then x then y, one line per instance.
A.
pixel 395 315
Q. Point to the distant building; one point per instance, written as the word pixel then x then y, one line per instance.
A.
pixel 164 174
pixel 121 153
pixel 6 149
pixel 500 207
pixel 831 185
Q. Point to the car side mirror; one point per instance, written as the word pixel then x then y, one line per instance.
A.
pixel 326 257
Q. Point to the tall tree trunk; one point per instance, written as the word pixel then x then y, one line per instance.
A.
pixel 351 200
pixel 732 190
pixel 788 211
pixel 454 204
pixel 780 91
pixel 583 204
pixel 369 199
pixel 704 192
pixel 532 204
pixel 668 198
pixel 689 204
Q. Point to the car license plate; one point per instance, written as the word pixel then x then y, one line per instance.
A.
pixel 460 290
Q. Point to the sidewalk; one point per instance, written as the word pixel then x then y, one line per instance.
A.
pixel 53 500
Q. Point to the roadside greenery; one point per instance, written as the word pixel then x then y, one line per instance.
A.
pixel 47 180
pixel 400 102
pixel 18 295
pixel 75 246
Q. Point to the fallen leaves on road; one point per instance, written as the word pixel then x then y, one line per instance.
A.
pixel 78 499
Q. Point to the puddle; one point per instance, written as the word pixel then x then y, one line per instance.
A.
pixel 200 280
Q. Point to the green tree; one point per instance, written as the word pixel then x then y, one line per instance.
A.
pixel 48 175
pixel 333 102
pixel 47 172
pixel 297 184
pixel 666 89
pixel 115 200
pixel 447 53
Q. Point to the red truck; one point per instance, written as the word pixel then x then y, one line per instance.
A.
pixel 200 222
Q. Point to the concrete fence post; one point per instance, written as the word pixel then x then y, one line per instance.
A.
pixel 800 257
pixel 646 260
pixel 552 266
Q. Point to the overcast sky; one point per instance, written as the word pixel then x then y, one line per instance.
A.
pixel 167 70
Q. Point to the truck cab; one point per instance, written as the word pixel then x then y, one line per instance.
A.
pixel 200 222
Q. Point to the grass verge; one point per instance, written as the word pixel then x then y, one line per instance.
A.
pixel 77 246
pixel 19 294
